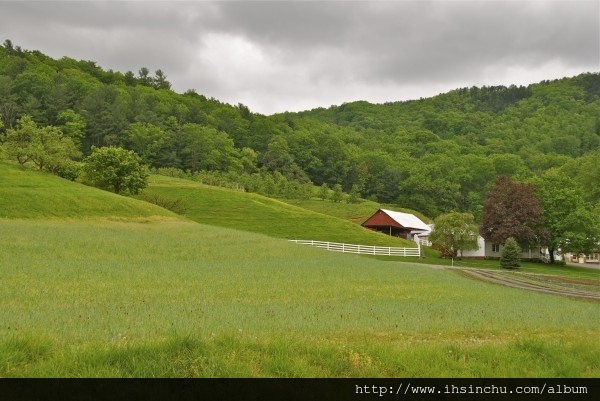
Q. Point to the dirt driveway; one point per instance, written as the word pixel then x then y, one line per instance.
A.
pixel 587 288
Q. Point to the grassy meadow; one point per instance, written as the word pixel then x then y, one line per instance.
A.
pixel 32 194
pixel 91 298
pixel 256 213
pixel 147 294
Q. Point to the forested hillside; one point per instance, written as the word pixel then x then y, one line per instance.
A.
pixel 442 153
pixel 433 155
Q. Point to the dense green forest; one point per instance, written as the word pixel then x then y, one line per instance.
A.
pixel 434 155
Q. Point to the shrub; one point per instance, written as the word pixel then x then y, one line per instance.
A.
pixel 70 170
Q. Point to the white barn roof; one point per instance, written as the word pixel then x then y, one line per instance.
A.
pixel 407 220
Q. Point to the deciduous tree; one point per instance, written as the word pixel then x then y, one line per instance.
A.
pixel 46 147
pixel 324 191
pixel 277 157
pixel 337 195
pixel 115 169
pixel 511 209
pixel 72 125
pixel 52 150
pixel 455 232
pixel 19 140
pixel 354 195
pixel 146 140
pixel 572 224
pixel 143 77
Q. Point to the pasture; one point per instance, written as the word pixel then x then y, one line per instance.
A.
pixel 256 213
pixel 97 285
pixel 32 194
pixel 173 298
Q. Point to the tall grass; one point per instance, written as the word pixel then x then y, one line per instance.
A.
pixel 235 356
pixel 107 298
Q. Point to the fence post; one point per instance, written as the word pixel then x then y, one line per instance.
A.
pixel 418 241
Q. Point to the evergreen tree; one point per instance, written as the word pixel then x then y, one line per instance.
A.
pixel 160 80
pixel 130 79
pixel 510 256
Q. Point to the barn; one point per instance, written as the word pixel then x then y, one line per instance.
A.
pixel 398 224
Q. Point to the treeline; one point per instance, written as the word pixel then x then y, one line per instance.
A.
pixel 269 184
pixel 434 155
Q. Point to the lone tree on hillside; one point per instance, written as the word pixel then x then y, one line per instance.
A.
pixel 511 209
pixel 115 169
pixel 455 232
pixel 509 258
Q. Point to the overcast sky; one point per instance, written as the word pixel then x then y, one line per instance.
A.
pixel 298 55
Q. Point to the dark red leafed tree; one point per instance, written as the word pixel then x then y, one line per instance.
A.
pixel 511 209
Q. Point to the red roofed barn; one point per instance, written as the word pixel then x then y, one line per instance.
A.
pixel 397 224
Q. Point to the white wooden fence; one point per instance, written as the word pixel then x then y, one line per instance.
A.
pixel 424 242
pixel 362 249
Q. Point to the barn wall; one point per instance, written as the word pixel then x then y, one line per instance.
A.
pixel 380 219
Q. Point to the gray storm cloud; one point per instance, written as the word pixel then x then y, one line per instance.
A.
pixel 277 56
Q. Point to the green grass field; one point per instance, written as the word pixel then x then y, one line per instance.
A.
pixel 146 294
pixel 32 194
pixel 90 297
pixel 255 213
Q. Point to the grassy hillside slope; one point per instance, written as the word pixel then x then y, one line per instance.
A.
pixel 256 213
pixel 31 194
pixel 354 212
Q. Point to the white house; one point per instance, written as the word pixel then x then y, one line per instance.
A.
pixel 593 257
pixel 487 249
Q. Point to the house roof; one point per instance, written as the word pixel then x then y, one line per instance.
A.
pixel 399 219
pixel 407 220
